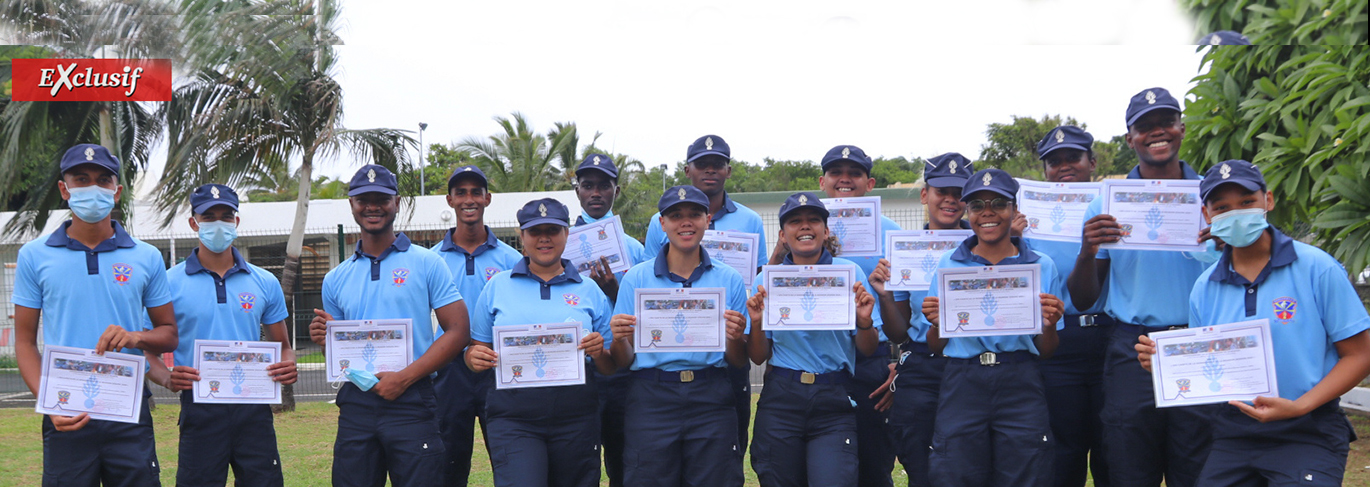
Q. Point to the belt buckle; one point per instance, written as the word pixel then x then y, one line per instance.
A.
pixel 989 358
pixel 1177 327
pixel 807 377
pixel 1087 321
pixel 687 376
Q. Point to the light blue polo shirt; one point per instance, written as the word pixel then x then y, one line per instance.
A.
pixel 963 257
pixel 919 324
pixel 1064 255
pixel 234 307
pixel 405 281
pixel 733 217
pixel 81 291
pixel 519 297
pixel 636 251
pixel 1305 294
pixel 868 264
pixel 825 351
pixel 656 274
pixel 1148 287
pixel 471 270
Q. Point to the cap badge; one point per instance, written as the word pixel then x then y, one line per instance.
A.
pixel 1226 171
pixel 596 160
pixel 90 154
pixel 214 191
pixel 1150 98
pixel 1215 40
pixel 468 168
pixel 1060 136
pixel 952 166
pixel 708 143
pixel 846 152
pixel 681 192
pixel 803 199
pixel 371 176
pixel 542 209
pixel 987 179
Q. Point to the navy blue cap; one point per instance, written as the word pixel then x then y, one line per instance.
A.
pixel 802 200
pixel 598 162
pixel 469 170
pixel 948 170
pixel 708 145
pixel 682 194
pixel 996 180
pixel 1064 137
pixel 1225 38
pixel 372 178
pixel 1234 171
pixel 847 153
pixel 90 154
pixel 1148 100
pixel 546 210
pixel 211 195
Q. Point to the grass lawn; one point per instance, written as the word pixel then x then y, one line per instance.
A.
pixel 306 444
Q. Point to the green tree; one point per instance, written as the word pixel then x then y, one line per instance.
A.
pixel 519 159
pixel 1302 113
pixel 1013 146
pixel 897 170
pixel 1113 157
pixel 1283 22
pixel 439 163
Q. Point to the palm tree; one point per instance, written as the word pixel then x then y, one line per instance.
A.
pixel 520 160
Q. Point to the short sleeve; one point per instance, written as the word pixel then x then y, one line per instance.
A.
pixel 1094 209
pixel 1195 297
pixel 603 311
pixel 483 316
pixel 157 292
pixel 762 251
pixel 1343 314
pixel 275 301
pixel 655 238
pixel 442 290
pixel 900 296
pixel 876 320
pixel 28 291
pixel 330 296
pixel 1053 285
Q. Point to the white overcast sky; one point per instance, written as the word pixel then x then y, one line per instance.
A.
pixel 781 79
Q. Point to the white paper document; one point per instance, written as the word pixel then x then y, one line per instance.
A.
pixel 107 387
pixel 585 245
pixel 990 300
pixel 235 372
pixel 1055 211
pixel 680 320
pixel 540 355
pixel 809 297
pixel 1156 214
pixel 736 249
pixel 369 345
pixel 1213 364
pixel 914 254
pixel 856 224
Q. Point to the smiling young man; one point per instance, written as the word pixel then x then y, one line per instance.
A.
pixel 473 255
pixel 93 285
pixel 1146 292
pixel 1074 374
pixel 708 165
pixel 1318 330
pixel 392 428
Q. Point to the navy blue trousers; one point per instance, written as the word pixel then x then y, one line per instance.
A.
pixel 215 437
pixel 1309 450
pixel 461 402
pixel 102 453
pixel 613 395
pixel 544 436
pixel 992 427
pixel 377 437
pixel 1074 378
pixel 1143 444
pixel 876 451
pixel 682 434
pixel 805 435
pixel 742 401
pixel 915 409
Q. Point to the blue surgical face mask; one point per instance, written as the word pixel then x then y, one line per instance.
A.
pixel 92 203
pixel 1208 255
pixel 1240 228
pixel 364 380
pixel 218 236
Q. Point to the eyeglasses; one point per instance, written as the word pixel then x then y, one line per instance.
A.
pixel 997 204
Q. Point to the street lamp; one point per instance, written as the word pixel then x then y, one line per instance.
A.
pixel 422 189
pixel 663 178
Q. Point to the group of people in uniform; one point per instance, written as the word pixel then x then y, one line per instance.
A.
pixel 839 408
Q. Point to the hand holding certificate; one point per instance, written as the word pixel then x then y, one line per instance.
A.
pixel 809 297
pixel 236 372
pixel 1213 364
pixel 539 355
pixel 1155 214
pixel 1055 211
pixel 370 345
pixel 77 380
pixel 737 249
pixel 989 301
pixel 680 320
pixel 586 244
pixel 856 224
pixel 914 254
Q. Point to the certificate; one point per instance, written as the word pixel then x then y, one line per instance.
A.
pixel 680 320
pixel 370 345
pixel 990 300
pixel 1055 211
pixel 539 355
pixel 737 249
pixel 856 224
pixel 585 244
pixel 809 297
pixel 76 380
pixel 235 372
pixel 1214 364
pixel 1156 214
pixel 914 254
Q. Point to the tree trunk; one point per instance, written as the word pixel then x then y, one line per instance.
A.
pixel 290 273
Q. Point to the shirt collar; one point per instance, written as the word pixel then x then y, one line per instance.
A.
pixel 193 265
pixel 401 244
pixel 961 224
pixel 662 267
pixel 450 246
pixel 1189 172
pixel 585 218
pixel 1281 254
pixel 824 259
pixel 728 207
pixel 567 274
pixel 963 252
pixel 121 239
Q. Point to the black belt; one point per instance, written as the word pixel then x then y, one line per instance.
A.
pixel 1087 321
pixel 838 377
pixel 681 375
pixel 992 358
pixel 1143 330
pixel 918 347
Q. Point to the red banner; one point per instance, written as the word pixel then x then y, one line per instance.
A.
pixel 92 80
